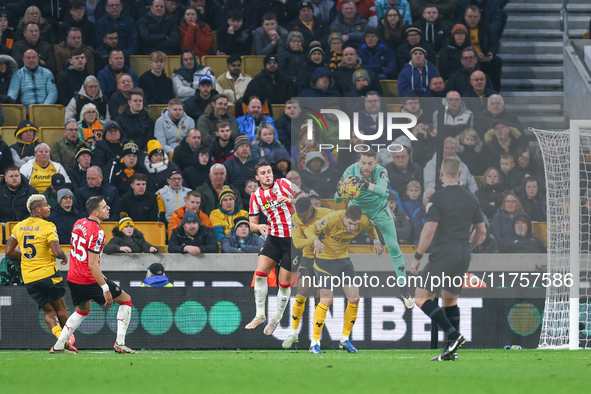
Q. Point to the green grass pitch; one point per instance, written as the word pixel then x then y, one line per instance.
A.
pixel 375 371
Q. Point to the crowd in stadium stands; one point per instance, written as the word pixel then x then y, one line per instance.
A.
pixel 193 168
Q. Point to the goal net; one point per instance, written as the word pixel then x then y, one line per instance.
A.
pixel 567 163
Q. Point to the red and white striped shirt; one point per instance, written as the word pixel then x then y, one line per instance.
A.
pixel 278 215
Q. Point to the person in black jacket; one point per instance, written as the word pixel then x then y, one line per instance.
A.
pixel 185 152
pixel 450 53
pixel 432 27
pixel 78 168
pixel 136 203
pixel 65 215
pixel 5 156
pixel 491 193
pixel 198 173
pixel 121 171
pixel 311 27
pixel 240 168
pixel 156 85
pixel 95 187
pixel 195 106
pixel 7 67
pixel 77 17
pixel 156 31
pixel 192 237
pixel 234 37
pixel 110 42
pixel 402 170
pixel 271 83
pixel 533 199
pixel 135 120
pixel 521 239
pixel 158 165
pixel 127 239
pixel 72 79
pixel 316 58
pixel 110 148
pixel 414 38
pixel 14 193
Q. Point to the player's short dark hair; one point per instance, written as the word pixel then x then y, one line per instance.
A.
pixel 303 205
pixel 193 193
pixel 260 164
pixel 111 31
pixel 93 204
pixel 233 58
pixel 430 5
pixel 138 177
pixel 11 168
pixel 369 153
pixel 353 212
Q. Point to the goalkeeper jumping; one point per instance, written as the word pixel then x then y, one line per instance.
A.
pixel 373 181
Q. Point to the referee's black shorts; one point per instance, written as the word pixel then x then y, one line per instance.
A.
pixel 81 294
pixel 447 261
pixel 47 290
pixel 279 250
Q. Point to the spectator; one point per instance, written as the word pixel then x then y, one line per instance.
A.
pixel 312 29
pixel 402 170
pixel 350 23
pixel 192 203
pixel 437 87
pixel 157 32
pixel 335 48
pixel 265 146
pixel 211 190
pixel 185 77
pixel 470 150
pixel 432 26
pixel 15 191
pixel 241 239
pixel 305 144
pixel 527 165
pixel 412 203
pixel 71 80
pixel 315 59
pixel 492 13
pixel 110 42
pixel 65 149
pixel 32 84
pixel 318 176
pixel 240 167
pixel 478 91
pixel 174 9
pixel 32 42
pixel 294 177
pixel 404 230
pixel 401 6
pixel 291 114
pixel 250 186
pixel 377 56
pixel 416 75
pixel 459 80
pixel 450 150
pixel 281 164
pixel 490 244
pixel 216 112
pixel 6 158
pixel 457 116
pixel 63 49
pixel 127 30
pixel 195 34
pixel 192 237
pixel 391 27
pixel 491 193
pixel 7 34
pixel 361 81
pixel 90 127
pixel 134 8
pixel 344 75
pixel 136 203
pixel 155 276
pixel 291 56
pixel 222 218
pixel 502 223
pixel 414 38
pixel 370 114
pixel 322 84
pixel 198 173
pixel 118 101
pixel 171 197
pixel 521 239
pixel 40 170
pixel 234 37
pixel 250 12
pixel 271 83
pixel 135 120
pixel 210 11
pixel 120 171
pixel 185 151
pixel 109 77
pixel 446 8
pixel 27 136
pixel 510 178
pixel 269 36
pixel 233 83
pixel 110 148
pixel 248 123
pixel 158 164
pixel 64 215
pixel 126 239
pixel 90 93
pixel 156 85
pixel 77 17
pixel 502 139
pixel 46 32
pixel 195 106
pixel 7 69
pixel 533 199
pixel 222 147
pixel 79 167
pixel 495 111
pixel 172 126
pixel 450 54
pixel 418 218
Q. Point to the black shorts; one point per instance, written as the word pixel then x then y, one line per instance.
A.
pixel 328 268
pixel 447 261
pixel 81 294
pixel 278 250
pixel 47 289
pixel 306 266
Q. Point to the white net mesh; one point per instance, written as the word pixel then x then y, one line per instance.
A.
pixel 555 147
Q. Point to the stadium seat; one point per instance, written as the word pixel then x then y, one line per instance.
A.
pixel 252 64
pixel 408 249
pixel 155 110
pixel 162 248
pixel 8 229
pixel 217 64
pixel 539 229
pixel 13 114
pixel 51 134
pixel 278 110
pixel 47 115
pixel 389 87
pixel 154 232
pixel 8 135
pixel 173 62
pixel 394 107
pixel 140 64
pixel 329 203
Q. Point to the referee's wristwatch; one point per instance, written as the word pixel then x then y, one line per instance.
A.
pixel 418 256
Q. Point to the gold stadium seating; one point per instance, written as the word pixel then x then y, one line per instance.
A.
pixel 217 64
pixel 214 42
pixel 155 110
pixel 394 107
pixel 278 110
pixel 13 114
pixel 51 134
pixel 406 249
pixel 154 232
pixel 47 115
pixel 252 64
pixel 389 87
pixel 173 62
pixel 140 64
pixel 8 229
pixel 8 135
pixel 539 230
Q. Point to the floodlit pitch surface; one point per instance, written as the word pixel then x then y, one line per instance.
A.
pixel 376 371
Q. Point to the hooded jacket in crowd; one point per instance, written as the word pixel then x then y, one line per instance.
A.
pixel 527 243
pixel 323 183
pixel 204 239
pixel 170 133
pixel 139 127
pixel 182 76
pixel 24 151
pixel 137 243
pixel 416 80
pixel 13 205
pixel 64 222
pixel 5 77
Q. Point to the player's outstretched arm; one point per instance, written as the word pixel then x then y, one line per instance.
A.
pixel 95 270
pixel 11 246
pixel 58 252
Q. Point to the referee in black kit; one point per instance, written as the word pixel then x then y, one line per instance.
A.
pixel 451 212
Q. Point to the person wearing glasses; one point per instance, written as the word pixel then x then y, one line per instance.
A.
pixel 459 80
pixel 502 223
pixel 478 93
pixel 457 116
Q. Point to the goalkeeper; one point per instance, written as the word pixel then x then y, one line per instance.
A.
pixel 373 200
